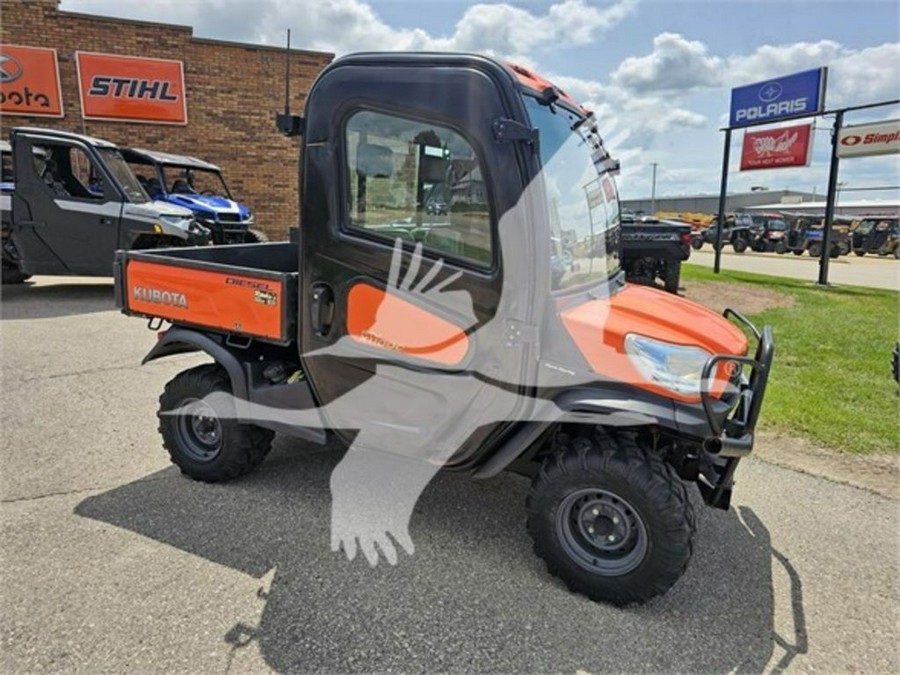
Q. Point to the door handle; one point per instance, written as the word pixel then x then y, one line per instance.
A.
pixel 105 221
pixel 321 308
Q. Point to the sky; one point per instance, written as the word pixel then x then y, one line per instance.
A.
pixel 657 73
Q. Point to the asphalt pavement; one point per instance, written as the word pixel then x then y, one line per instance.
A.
pixel 112 561
pixel 850 270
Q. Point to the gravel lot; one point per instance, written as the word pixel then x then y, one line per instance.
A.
pixel 112 561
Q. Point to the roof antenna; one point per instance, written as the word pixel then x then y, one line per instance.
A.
pixel 288 124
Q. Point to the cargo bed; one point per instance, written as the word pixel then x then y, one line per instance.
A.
pixel 246 289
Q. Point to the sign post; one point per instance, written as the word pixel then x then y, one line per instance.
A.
pixel 830 199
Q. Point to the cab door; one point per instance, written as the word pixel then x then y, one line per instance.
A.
pixel 403 164
pixel 66 211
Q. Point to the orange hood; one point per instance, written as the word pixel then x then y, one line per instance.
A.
pixel 599 327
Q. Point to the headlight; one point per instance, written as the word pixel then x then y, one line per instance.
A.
pixel 674 367
pixel 173 219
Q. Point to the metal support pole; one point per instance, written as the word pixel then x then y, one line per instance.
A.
pixel 720 224
pixel 830 199
pixel 653 189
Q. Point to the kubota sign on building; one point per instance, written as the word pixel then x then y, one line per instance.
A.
pixel 131 89
pixel 29 81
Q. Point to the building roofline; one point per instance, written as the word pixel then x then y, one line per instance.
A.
pixel 190 31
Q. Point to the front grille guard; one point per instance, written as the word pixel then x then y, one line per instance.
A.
pixel 741 424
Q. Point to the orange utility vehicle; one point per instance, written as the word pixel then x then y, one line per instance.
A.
pixel 448 151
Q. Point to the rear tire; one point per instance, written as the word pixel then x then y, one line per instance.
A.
pixel 797 251
pixel 860 253
pixel 255 237
pixel 611 520
pixel 12 274
pixel 815 250
pixel 672 275
pixel 780 248
pixel 739 245
pixel 208 444
pixel 696 243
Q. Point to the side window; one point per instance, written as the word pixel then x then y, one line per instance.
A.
pixel 67 171
pixel 146 176
pixel 418 181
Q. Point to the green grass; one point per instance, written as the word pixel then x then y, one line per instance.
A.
pixel 831 381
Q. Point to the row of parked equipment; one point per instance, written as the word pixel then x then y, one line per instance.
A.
pixel 73 200
pixel 785 232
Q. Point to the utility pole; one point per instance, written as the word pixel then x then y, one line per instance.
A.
pixel 653 189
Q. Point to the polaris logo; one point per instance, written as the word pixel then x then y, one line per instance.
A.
pixel 780 109
pixel 158 297
pixel 134 88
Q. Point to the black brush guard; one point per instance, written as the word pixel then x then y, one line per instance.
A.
pixel 732 438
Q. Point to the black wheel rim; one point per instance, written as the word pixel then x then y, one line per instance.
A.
pixel 200 430
pixel 602 532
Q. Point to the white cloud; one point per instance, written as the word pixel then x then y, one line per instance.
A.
pixel 674 64
pixel 678 66
pixel 344 26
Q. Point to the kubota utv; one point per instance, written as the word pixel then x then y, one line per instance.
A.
pixel 652 392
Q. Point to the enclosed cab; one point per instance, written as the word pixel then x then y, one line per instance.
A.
pixel 879 235
pixel 197 185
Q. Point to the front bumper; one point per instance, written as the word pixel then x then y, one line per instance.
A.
pixel 732 435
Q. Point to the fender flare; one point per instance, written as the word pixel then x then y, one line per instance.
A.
pixel 181 340
pixel 587 405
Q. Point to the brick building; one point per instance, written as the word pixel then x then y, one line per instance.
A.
pixel 232 91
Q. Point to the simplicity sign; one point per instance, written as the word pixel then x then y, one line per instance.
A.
pixel 796 95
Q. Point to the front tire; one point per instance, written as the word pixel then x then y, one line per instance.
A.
pixel 611 520
pixel 207 443
pixel 815 250
pixel 255 237
pixel 12 274
pixel 739 245
pixel 781 248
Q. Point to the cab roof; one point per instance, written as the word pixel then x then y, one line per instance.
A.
pixel 65 135
pixel 168 159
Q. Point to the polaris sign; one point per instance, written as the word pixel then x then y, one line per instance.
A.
pixel 797 95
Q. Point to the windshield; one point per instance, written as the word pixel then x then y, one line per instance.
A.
pixel 123 175
pixel 187 181
pixel 865 226
pixel 776 224
pixel 582 201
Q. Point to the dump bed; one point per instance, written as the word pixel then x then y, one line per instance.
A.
pixel 247 289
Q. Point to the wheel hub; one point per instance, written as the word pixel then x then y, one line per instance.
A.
pixel 602 531
pixel 200 430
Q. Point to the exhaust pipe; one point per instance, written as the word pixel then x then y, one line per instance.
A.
pixel 725 446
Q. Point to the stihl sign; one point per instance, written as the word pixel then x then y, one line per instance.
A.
pixel 864 140
pixel 29 81
pixel 776 148
pixel 131 89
